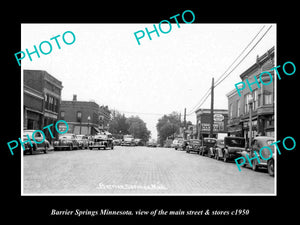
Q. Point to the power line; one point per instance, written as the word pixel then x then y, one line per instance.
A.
pixel 192 110
pixel 203 99
pixel 240 53
pixel 244 56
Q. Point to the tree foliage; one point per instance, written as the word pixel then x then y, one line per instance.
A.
pixel 133 125
pixel 168 125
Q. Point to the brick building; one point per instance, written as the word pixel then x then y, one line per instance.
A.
pixel 41 99
pixel 263 101
pixel 104 117
pixel 203 122
pixel 81 116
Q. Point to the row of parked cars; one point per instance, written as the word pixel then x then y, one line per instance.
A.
pixel 231 148
pixel 68 141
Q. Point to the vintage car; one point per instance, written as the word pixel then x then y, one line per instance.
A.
pixel 233 147
pixel 117 142
pixel 182 144
pixel 176 142
pixel 193 146
pixel 207 143
pixel 256 145
pixel 28 148
pixel 66 141
pixel 83 141
pixel 101 140
pixel 218 149
pixel 128 140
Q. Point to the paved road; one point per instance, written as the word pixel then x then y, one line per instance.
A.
pixel 138 170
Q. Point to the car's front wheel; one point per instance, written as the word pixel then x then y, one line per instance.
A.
pixel 271 167
pixel 254 165
pixel 225 158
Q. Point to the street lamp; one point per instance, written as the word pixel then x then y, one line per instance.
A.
pixel 89 118
pixel 250 101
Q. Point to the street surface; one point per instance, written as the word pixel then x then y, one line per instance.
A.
pixel 138 170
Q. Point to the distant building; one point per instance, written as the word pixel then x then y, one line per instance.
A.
pixel 41 99
pixel 81 116
pixel 203 122
pixel 263 101
pixel 104 117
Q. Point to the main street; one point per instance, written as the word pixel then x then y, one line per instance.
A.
pixel 138 170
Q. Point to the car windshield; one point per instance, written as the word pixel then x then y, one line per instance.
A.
pixel 66 136
pixel 235 142
pixel 209 140
pixel 81 137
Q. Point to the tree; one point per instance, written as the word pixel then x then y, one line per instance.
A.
pixel 138 128
pixel 168 125
pixel 118 124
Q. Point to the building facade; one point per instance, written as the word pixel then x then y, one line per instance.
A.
pixel 204 118
pixel 262 104
pixel 81 116
pixel 42 97
pixel 104 117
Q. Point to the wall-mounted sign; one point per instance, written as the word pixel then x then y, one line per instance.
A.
pixel 218 117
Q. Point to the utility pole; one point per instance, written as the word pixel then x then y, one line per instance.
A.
pixel 184 124
pixel 212 110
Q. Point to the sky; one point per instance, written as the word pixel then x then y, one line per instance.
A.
pixel 171 72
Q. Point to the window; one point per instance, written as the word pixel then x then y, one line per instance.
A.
pixel 246 109
pixel 238 108
pixel 78 116
pixel 268 98
pixel 62 114
pixel 255 100
pixel 259 100
pixel 230 110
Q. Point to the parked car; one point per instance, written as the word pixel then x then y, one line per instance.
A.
pixel 43 146
pixel 182 144
pixel 66 141
pixel 176 142
pixel 83 141
pixel 218 149
pixel 117 142
pixel 193 146
pixel 152 144
pixel 103 140
pixel 256 145
pixel 128 140
pixel 233 147
pixel 207 143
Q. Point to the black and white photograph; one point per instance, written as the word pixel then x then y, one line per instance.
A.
pixel 131 114
pixel 162 116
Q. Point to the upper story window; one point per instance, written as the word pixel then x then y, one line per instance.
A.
pixel 268 98
pixel 255 100
pixel 62 114
pixel 238 108
pixel 79 116
pixel 231 111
